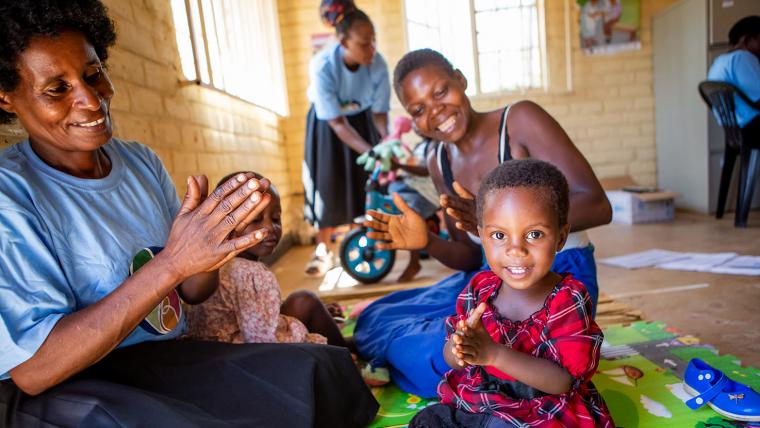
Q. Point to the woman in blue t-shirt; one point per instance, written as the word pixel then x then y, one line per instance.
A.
pixel 740 67
pixel 350 94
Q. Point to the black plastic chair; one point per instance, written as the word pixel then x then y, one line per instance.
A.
pixel 720 96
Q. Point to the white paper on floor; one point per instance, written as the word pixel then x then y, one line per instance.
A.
pixel 643 259
pixel 698 262
pixel 725 263
pixel 740 265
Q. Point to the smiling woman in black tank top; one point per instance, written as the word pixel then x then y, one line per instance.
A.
pixel 472 143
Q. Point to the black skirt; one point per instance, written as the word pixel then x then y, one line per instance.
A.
pixel 202 384
pixel 333 182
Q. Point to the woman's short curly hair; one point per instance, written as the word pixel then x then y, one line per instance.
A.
pixel 23 20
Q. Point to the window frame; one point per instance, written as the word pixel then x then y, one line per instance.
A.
pixel 501 93
pixel 198 81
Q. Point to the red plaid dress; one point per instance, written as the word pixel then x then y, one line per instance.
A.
pixel 562 331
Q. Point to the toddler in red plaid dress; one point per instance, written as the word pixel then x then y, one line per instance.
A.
pixel 522 345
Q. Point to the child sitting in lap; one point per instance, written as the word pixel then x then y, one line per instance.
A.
pixel 247 308
pixel 522 345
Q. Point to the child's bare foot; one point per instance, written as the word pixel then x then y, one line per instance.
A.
pixel 412 269
pixel 320 264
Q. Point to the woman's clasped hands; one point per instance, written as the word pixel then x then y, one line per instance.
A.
pixel 208 230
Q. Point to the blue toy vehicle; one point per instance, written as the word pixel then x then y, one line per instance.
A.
pixel 358 255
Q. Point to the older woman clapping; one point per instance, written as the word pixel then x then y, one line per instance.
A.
pixel 76 208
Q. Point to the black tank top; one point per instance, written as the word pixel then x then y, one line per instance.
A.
pixel 444 164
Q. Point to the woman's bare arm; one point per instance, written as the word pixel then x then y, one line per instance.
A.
pixel 539 136
pixel 459 252
pixel 82 338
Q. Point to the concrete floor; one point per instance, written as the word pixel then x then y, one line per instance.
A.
pixel 725 313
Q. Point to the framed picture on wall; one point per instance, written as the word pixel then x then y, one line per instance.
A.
pixel 609 26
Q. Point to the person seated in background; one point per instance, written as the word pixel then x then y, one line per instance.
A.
pixel 740 67
pixel 247 306
pixel 88 312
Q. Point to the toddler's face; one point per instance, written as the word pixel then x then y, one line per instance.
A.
pixel 268 219
pixel 520 235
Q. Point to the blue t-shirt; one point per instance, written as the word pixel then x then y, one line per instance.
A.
pixel 741 69
pixel 67 242
pixel 337 91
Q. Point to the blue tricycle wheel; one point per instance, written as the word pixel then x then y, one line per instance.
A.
pixel 361 260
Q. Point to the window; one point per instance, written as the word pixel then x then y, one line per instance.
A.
pixel 498 46
pixel 233 46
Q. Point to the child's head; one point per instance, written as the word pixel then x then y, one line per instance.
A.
pixel 432 91
pixel 357 36
pixel 522 210
pixel 268 219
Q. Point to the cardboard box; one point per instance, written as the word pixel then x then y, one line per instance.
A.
pixel 634 204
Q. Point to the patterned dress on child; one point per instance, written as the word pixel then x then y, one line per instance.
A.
pixel 561 331
pixel 246 309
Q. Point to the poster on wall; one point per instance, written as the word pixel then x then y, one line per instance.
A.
pixel 320 40
pixel 610 26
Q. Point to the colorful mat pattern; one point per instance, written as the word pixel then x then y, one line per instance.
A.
pixel 639 376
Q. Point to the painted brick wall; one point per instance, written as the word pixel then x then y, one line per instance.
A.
pixel 609 112
pixel 194 130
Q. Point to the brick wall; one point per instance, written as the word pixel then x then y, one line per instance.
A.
pixel 194 130
pixel 608 112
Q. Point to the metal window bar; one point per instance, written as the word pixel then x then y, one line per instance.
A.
pixel 530 78
pixel 212 45
pixel 191 29
pixel 205 43
pixel 218 31
pixel 475 52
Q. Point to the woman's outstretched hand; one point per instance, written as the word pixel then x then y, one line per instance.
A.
pixel 202 238
pixel 405 231
pixel 461 208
